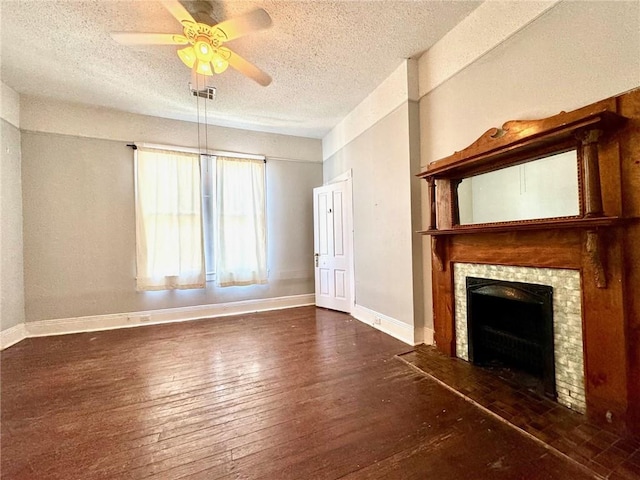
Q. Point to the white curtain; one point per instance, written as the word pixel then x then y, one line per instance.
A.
pixel 241 226
pixel 168 220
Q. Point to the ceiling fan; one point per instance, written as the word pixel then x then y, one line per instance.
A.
pixel 203 49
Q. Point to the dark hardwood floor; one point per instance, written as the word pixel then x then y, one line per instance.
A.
pixel 293 394
pixel 503 392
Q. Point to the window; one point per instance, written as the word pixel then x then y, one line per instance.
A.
pixel 168 220
pixel 199 217
pixel 240 229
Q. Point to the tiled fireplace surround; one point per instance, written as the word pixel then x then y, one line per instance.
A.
pixel 567 320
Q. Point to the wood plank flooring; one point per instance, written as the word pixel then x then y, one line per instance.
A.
pixel 303 393
pixel 605 452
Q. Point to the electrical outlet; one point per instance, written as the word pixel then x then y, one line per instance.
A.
pixel 377 321
pixel 145 318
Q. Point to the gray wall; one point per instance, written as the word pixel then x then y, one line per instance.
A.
pixel 417 240
pixel 11 276
pixel 573 55
pixel 380 160
pixel 79 231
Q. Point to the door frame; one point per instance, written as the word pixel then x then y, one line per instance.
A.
pixel 347 177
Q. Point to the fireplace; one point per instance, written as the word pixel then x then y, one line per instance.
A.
pixel 566 317
pixel 596 320
pixel 510 325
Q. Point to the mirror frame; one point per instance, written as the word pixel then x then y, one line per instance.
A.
pixel 518 142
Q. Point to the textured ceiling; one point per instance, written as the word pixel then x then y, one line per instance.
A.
pixel 324 57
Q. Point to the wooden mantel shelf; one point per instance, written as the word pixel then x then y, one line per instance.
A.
pixel 550 224
pixel 594 245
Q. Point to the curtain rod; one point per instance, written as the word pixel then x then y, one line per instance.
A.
pixel 219 153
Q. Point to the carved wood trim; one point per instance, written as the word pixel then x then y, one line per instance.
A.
pixel 595 253
pixel 591 172
pixel 455 207
pixel 518 141
pixel 432 203
pixel 437 246
pixel 443 204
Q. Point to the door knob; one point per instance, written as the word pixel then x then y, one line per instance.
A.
pixel 317 255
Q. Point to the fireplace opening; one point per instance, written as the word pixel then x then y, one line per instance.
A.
pixel 510 325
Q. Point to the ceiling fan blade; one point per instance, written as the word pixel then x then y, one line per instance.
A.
pixel 128 38
pixel 177 10
pixel 243 24
pixel 249 69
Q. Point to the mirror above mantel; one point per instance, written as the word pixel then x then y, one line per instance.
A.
pixel 539 189
pixel 565 145
pixel 527 175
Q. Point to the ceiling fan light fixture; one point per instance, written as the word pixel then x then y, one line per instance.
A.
pixel 203 50
pixel 188 56
pixel 204 68
pixel 219 64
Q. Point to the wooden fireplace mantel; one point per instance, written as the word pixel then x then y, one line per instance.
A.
pixel 520 141
pixel 601 242
pixel 594 240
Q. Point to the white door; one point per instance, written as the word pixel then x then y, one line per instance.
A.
pixel 332 235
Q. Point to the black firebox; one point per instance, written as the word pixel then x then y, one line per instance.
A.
pixel 510 324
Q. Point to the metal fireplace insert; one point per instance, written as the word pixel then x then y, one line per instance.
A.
pixel 510 325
